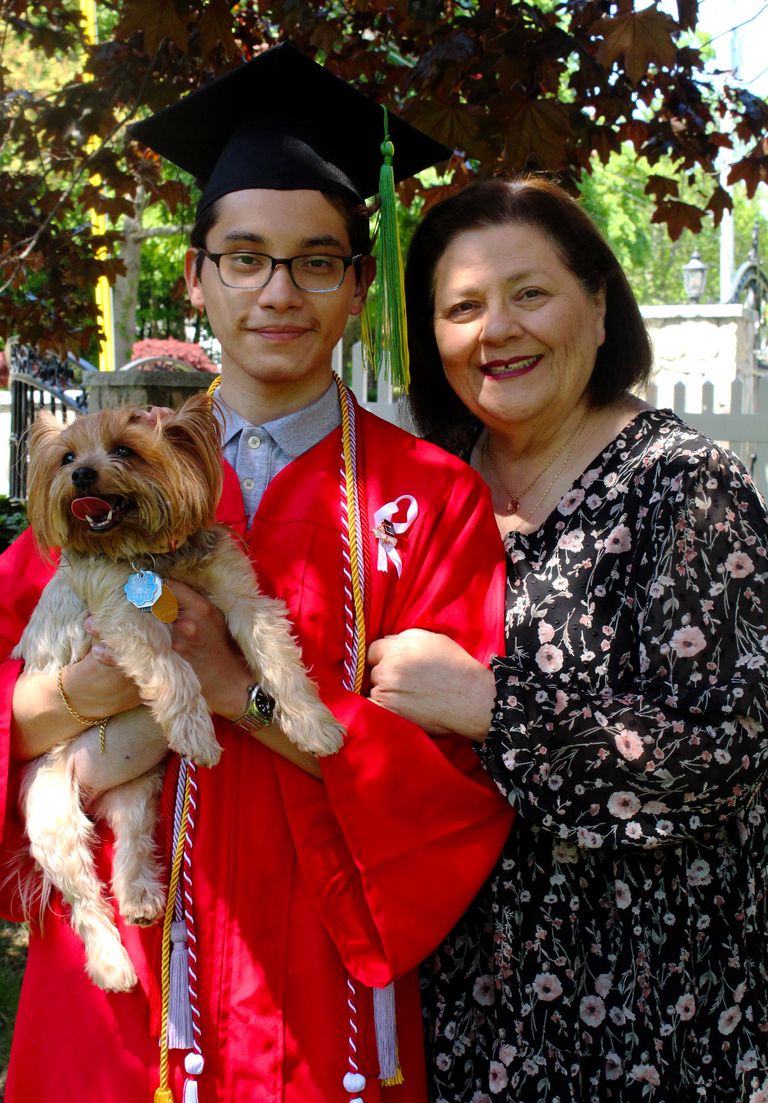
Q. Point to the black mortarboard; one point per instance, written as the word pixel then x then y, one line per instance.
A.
pixel 282 121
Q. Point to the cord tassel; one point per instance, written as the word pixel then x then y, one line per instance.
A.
pixel 390 1072
pixel 384 329
pixel 179 1008
pixel 193 1066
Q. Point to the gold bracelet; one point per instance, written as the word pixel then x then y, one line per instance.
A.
pixel 86 721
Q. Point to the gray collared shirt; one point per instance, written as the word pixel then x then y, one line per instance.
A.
pixel 258 452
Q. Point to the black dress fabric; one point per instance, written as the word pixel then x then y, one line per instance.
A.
pixel 619 950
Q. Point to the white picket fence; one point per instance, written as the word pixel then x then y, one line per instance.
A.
pixel 745 432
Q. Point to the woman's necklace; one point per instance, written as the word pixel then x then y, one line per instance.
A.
pixel 566 451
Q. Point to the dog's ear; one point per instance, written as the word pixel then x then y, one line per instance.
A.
pixel 44 460
pixel 45 429
pixel 194 431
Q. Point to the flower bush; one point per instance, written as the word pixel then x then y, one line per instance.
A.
pixel 171 347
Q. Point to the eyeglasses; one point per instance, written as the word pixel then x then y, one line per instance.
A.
pixel 316 272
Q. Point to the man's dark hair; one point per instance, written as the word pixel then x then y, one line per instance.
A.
pixel 623 360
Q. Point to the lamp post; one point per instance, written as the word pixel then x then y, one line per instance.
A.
pixel 695 277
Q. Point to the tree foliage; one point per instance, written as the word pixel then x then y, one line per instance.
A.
pixel 549 84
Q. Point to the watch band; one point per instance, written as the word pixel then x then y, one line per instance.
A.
pixel 258 711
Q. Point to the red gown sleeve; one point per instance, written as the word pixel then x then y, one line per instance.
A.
pixel 406 828
pixel 23 574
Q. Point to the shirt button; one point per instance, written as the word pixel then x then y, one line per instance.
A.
pixel 248 484
pixel 254 442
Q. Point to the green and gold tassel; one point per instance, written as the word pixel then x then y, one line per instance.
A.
pixel 384 330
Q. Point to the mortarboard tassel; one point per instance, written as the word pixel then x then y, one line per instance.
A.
pixel 384 330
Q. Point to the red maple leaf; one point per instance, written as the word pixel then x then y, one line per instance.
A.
pixel 639 39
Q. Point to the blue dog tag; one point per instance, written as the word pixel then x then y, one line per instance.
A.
pixel 143 589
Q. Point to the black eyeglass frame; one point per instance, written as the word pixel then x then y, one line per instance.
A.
pixel 288 262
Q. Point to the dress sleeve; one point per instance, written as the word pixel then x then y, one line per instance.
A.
pixel 684 747
pixel 403 832
pixel 23 575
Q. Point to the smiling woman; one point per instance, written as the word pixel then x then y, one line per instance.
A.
pixel 621 944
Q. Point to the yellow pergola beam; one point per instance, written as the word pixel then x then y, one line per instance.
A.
pixel 99 224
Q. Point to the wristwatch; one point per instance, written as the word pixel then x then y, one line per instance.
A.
pixel 258 711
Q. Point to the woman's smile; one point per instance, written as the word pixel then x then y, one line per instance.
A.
pixel 511 368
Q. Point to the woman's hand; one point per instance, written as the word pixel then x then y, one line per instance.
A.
pixel 94 687
pixel 429 679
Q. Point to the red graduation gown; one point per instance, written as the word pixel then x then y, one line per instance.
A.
pixel 296 881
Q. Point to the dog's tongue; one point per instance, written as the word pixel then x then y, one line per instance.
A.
pixel 83 508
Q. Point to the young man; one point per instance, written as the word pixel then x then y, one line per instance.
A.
pixel 312 884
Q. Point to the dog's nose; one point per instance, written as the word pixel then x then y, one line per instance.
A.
pixel 84 476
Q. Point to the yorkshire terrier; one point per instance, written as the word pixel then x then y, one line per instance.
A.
pixel 131 501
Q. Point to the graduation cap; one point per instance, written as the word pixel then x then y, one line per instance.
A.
pixel 283 122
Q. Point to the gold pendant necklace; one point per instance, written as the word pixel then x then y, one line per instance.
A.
pixel 514 500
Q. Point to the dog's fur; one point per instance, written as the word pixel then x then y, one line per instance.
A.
pixel 162 480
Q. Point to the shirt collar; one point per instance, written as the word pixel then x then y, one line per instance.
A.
pixel 295 433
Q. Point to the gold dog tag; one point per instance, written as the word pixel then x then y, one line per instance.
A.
pixel 166 608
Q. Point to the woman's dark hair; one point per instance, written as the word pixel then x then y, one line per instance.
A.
pixel 355 215
pixel 623 360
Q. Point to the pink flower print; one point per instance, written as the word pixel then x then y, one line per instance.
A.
pixel 759 1096
pixel 497 1077
pixel 561 700
pixel 629 744
pixel 481 1097
pixel 739 564
pixel 546 632
pixel 623 805
pixel 507 1053
pixel 589 476
pixel 603 984
pixel 618 540
pixel 699 872
pixel 549 658
pixel 592 1010
pixel 571 541
pixel 646 1073
pixel 686 1007
pixel 687 642
pixel 729 1020
pixel 613 1066
pixel 547 986
pixel 484 991
pixel 570 502
pixel 590 840
pixel 623 898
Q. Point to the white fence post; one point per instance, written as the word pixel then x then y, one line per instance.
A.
pixel 385 405
pixel 744 432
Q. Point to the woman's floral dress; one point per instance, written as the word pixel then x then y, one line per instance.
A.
pixel 619 950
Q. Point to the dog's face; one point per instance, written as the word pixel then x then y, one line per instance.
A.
pixel 115 483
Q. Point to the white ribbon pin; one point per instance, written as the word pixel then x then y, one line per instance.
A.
pixel 386 530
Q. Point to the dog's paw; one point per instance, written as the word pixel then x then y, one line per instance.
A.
pixel 112 970
pixel 205 754
pixel 143 907
pixel 318 734
pixel 196 741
